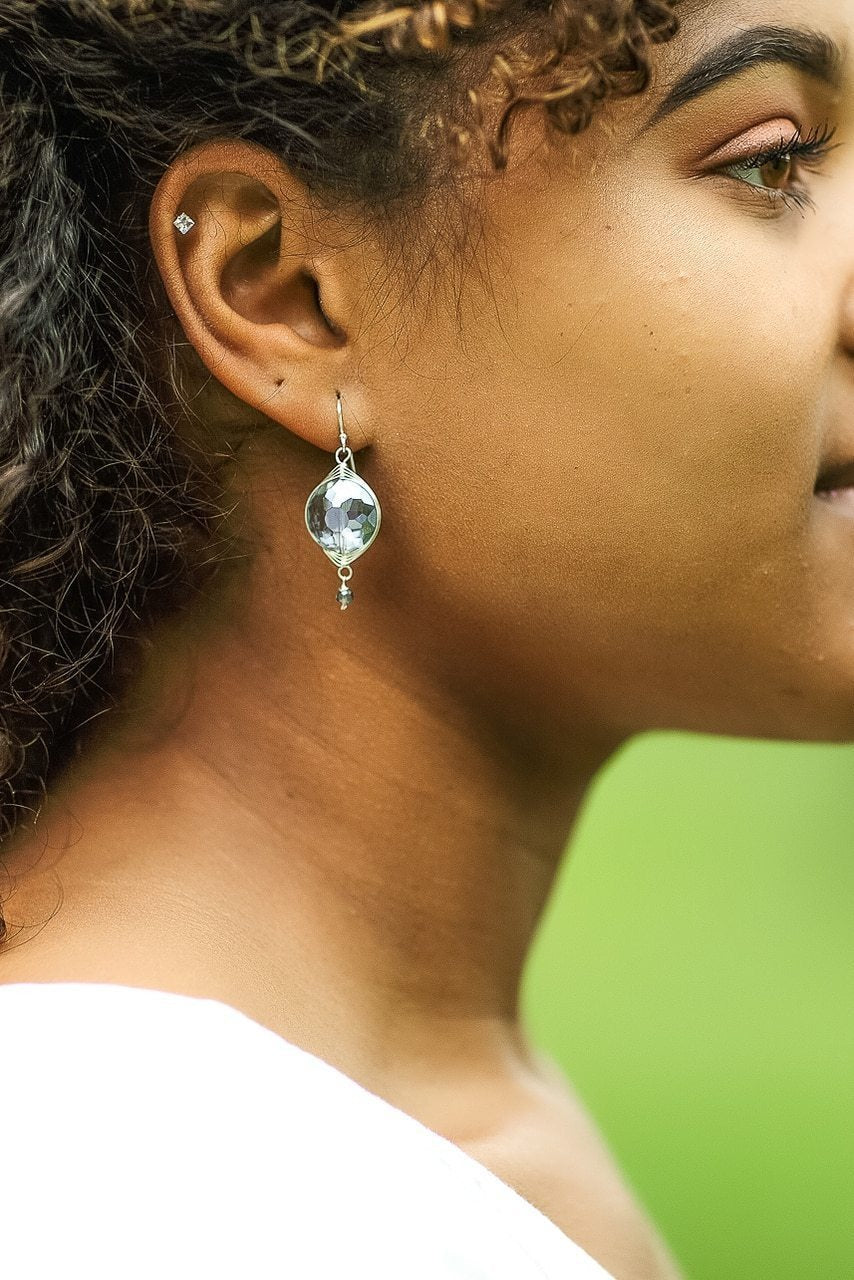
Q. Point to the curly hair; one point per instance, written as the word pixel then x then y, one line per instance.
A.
pixel 110 517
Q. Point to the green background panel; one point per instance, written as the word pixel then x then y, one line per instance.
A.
pixel 694 977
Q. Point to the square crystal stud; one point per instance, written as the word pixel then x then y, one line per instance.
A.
pixel 183 222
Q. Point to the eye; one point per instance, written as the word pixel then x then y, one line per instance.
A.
pixel 777 164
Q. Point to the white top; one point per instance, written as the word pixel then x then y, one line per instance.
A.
pixel 151 1135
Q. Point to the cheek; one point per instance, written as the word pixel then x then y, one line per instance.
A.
pixel 636 447
pixel 682 405
pixel 628 424
pixel 622 438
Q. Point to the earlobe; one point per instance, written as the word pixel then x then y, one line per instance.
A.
pixel 242 282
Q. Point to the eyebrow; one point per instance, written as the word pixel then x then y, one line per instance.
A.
pixel 809 51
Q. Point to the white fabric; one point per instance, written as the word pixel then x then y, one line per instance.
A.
pixel 149 1134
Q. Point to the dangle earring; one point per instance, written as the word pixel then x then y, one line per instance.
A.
pixel 342 513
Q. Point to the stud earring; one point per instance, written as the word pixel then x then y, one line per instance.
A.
pixel 342 513
pixel 183 222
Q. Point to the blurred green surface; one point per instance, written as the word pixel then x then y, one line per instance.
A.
pixel 694 977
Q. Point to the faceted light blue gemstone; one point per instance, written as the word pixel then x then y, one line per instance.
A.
pixel 342 515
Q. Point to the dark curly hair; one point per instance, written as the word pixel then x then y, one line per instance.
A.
pixel 110 517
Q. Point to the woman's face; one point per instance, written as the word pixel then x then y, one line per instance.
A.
pixel 596 437
pixel 599 449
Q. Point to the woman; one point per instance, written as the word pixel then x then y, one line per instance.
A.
pixel 277 838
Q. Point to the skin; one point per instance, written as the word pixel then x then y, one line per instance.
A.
pixel 596 447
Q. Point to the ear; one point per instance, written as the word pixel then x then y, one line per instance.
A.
pixel 255 286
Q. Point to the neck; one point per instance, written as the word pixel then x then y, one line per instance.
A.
pixel 320 832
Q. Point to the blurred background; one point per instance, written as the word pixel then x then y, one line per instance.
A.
pixel 694 977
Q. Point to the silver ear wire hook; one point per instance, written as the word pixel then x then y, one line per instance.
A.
pixel 343 513
pixel 342 434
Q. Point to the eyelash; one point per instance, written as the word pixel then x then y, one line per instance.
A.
pixel 812 151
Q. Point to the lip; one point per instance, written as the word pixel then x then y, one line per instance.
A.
pixel 841 500
pixel 837 475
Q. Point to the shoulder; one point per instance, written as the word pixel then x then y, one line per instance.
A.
pixel 173 1137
